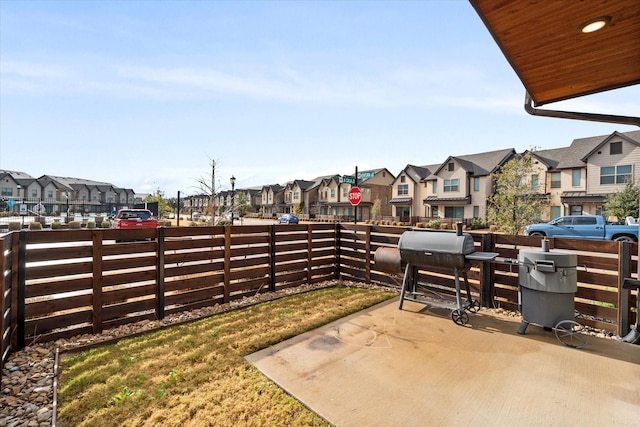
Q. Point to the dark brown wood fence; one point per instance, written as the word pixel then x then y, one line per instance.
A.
pixel 60 283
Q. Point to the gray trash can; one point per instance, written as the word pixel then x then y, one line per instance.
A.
pixel 548 283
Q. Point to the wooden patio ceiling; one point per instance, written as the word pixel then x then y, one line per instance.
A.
pixel 554 59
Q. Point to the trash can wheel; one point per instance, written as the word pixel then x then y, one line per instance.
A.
pixel 459 317
pixel 473 307
pixel 570 333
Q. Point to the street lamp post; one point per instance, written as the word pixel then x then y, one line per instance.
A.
pixel 233 186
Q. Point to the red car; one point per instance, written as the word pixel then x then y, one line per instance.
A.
pixel 134 218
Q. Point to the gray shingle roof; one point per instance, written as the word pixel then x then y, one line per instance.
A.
pixel 418 173
pixel 577 154
pixel 481 164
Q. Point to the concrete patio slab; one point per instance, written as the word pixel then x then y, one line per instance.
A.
pixel 415 367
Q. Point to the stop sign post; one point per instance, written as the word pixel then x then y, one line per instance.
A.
pixel 355 196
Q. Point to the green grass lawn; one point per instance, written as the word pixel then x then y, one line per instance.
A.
pixel 195 374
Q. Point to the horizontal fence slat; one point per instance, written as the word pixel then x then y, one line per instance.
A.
pixel 59 273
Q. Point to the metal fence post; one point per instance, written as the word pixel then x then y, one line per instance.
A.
pixel 486 277
pixel 624 269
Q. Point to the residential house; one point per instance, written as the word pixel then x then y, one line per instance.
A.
pixel 56 194
pixel 406 193
pixel 375 185
pixel 271 200
pixel 16 188
pixel 579 178
pixel 333 194
pixel 196 203
pixel 329 197
pixel 460 187
pixel 294 196
pixel 253 196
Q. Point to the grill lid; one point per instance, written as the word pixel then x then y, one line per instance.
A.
pixel 441 242
pixel 443 249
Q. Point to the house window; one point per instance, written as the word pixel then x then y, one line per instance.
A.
pixel 434 187
pixel 333 193
pixel 345 192
pixel 403 189
pixel 6 191
pixel 576 175
pixel 403 211
pixel 450 167
pixel 450 185
pixel 575 210
pixel 534 182
pixel 476 183
pixel 454 212
pixel 434 211
pixel 615 174
pixel 402 178
pixel 476 211
pixel 296 195
pixel 555 180
pixel 615 148
pixel 555 212
pixel 599 210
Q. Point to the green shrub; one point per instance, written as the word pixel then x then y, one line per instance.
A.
pixel 75 225
pixel 434 223
pixel 105 224
pixel 35 225
pixel 56 225
pixel 91 224
pixel 478 223
pixel 14 226
pixel 493 228
pixel 165 223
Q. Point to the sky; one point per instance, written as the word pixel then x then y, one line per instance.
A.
pixel 147 94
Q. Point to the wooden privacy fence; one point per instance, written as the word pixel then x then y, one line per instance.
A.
pixel 602 267
pixel 61 283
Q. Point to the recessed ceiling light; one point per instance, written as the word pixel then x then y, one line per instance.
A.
pixel 594 24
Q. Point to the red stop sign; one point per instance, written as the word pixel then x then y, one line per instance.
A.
pixel 355 196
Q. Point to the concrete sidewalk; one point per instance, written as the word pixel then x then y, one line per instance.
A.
pixel 415 367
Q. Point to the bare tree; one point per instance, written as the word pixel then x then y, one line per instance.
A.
pixel 207 185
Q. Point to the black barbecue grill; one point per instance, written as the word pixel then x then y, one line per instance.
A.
pixel 434 249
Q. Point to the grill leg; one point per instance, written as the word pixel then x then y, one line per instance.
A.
pixel 467 288
pixel 458 298
pixel 408 271
pixel 523 327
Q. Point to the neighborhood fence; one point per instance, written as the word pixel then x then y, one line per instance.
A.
pixel 61 283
